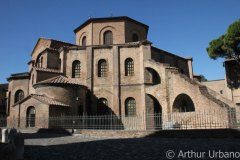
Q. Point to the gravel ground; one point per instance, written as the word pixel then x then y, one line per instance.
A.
pixel 80 147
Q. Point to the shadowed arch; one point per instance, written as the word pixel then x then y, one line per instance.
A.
pixel 151 76
pixel 183 103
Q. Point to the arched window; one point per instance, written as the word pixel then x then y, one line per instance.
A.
pixel 102 107
pixel 129 67
pixel 84 41
pixel 135 37
pixel 76 69
pixel 102 68
pixel 30 119
pixel 19 95
pixel 108 38
pixel 130 107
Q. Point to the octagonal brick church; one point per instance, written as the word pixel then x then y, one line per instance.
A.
pixel 111 69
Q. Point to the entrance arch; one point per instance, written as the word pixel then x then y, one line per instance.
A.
pixel 183 103
pixel 31 117
pixel 153 113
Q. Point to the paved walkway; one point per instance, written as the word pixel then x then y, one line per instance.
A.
pixel 80 147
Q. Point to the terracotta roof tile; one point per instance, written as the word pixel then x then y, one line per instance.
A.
pixel 48 100
pixel 47 70
pixel 43 99
pixel 59 80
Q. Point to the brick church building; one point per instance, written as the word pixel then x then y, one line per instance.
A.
pixel 111 69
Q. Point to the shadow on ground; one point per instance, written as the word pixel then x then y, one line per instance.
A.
pixel 152 147
pixel 47 133
pixel 198 133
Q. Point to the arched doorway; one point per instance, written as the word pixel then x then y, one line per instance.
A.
pixel 183 103
pixel 153 113
pixel 31 116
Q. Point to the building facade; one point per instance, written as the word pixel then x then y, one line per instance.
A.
pixel 112 69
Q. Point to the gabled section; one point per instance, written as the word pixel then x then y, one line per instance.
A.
pixel 44 43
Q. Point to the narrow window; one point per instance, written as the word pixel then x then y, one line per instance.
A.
pixel 135 37
pixel 31 114
pixel 39 62
pixel 84 41
pixel 108 38
pixel 76 69
pixel 130 107
pixel 32 78
pixel 19 95
pixel 129 67
pixel 102 68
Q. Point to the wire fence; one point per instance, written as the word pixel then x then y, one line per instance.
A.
pixel 157 121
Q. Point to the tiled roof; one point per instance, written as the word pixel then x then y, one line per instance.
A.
pixel 59 80
pixel 47 100
pixel 43 99
pixel 47 70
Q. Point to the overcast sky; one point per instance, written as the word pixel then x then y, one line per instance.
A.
pixel 183 27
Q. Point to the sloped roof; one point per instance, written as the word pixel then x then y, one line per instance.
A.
pixel 47 70
pixel 59 80
pixel 48 100
pixel 43 99
pixel 123 18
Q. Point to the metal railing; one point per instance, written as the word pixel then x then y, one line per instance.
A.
pixel 157 121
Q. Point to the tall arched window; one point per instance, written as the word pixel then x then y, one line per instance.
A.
pixel 76 69
pixel 30 119
pixel 19 95
pixel 108 38
pixel 135 37
pixel 102 68
pixel 130 107
pixel 84 41
pixel 129 67
pixel 102 107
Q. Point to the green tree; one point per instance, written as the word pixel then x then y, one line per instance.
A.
pixel 227 45
pixel 203 78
